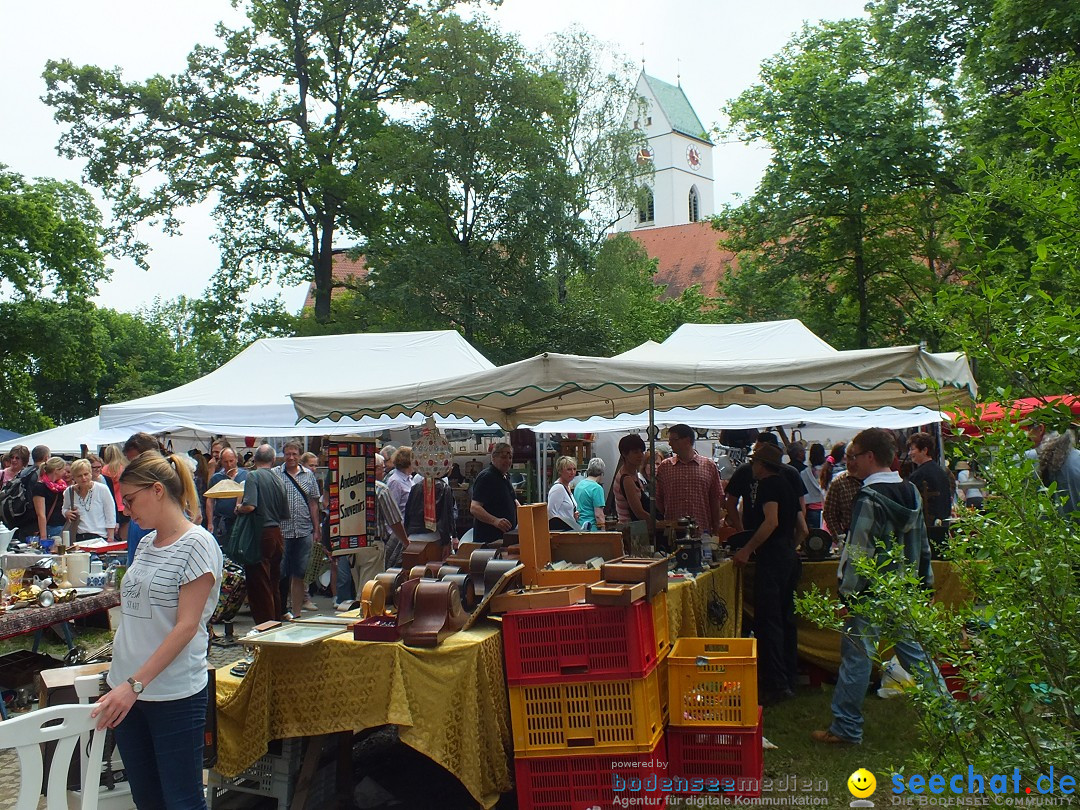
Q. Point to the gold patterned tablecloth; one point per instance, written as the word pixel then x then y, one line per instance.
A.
pixel 708 606
pixel 449 703
pixel 822 647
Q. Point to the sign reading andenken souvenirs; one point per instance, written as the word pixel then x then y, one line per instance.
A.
pixel 352 494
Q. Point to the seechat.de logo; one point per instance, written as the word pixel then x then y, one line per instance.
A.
pixel 862 785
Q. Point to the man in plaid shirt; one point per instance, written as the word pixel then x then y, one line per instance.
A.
pixel 689 484
pixel 887 514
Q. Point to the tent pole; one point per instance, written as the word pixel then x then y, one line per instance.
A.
pixel 652 462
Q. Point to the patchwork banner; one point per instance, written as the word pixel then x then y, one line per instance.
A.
pixel 352 494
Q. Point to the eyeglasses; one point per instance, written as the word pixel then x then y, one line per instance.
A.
pixel 127 500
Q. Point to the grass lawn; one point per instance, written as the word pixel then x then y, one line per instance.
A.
pixel 86 637
pixel 890 736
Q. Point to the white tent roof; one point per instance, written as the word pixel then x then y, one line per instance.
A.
pixel 755 416
pixel 560 386
pixel 768 340
pixel 249 395
pixel 66 439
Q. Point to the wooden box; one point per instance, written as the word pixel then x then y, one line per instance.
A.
pixel 533 598
pixel 653 572
pixel 614 593
pixel 540 547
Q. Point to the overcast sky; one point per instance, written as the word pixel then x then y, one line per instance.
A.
pixel 715 45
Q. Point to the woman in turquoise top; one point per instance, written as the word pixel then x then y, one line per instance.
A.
pixel 589 496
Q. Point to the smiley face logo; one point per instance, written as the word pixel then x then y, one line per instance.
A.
pixel 862 783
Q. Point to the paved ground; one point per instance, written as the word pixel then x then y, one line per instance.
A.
pixel 386 773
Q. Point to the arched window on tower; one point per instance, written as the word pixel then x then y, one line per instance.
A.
pixel 694 204
pixel 646 206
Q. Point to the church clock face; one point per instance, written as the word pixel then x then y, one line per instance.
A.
pixel 693 158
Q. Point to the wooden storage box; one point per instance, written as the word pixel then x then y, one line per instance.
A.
pixel 653 572
pixel 614 593
pixel 540 547
pixel 535 598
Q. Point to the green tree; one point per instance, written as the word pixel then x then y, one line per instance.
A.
pixel 65 359
pixel 616 304
pixel 850 201
pixel 598 147
pixel 478 194
pixel 278 124
pixel 50 237
pixel 1016 311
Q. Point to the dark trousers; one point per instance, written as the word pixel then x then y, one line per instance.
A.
pixel 161 743
pixel 775 579
pixel 263 592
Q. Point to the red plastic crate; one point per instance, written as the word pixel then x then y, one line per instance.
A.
pixel 579 643
pixel 723 760
pixel 956 683
pixel 583 782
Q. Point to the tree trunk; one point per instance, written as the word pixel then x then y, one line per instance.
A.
pixel 324 270
pixel 862 328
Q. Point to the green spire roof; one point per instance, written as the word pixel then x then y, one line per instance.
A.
pixel 676 107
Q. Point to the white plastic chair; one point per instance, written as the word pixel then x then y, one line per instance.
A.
pixel 88 690
pixel 27 733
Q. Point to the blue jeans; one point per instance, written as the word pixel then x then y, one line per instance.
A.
pixel 858 649
pixel 346 592
pixel 161 743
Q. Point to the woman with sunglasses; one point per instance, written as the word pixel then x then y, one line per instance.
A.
pixel 158 681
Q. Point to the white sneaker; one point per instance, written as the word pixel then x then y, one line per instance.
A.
pixel 309 605
pixel 287 617
pixel 341 607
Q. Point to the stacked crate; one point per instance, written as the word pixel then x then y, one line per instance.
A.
pixel 585 702
pixel 714 732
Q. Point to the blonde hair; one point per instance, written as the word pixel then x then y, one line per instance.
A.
pixel 562 462
pixel 80 465
pixel 309 460
pixel 53 464
pixel 173 473
pixel 115 460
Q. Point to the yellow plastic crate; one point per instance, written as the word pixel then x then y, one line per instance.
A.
pixel 660 625
pixel 590 717
pixel 713 682
pixel 665 699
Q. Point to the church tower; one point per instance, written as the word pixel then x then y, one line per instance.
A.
pixel 681 188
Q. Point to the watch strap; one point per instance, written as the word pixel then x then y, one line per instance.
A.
pixel 136 686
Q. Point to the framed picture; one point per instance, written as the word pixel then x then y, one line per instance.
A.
pixel 352 494
pixel 339 621
pixel 295 634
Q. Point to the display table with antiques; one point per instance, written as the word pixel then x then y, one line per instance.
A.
pixel 448 702
pixel 822 647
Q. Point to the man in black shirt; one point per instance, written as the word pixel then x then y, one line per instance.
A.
pixel 930 479
pixel 742 480
pixel 771 514
pixel 493 505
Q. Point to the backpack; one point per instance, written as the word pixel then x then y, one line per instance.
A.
pixel 17 499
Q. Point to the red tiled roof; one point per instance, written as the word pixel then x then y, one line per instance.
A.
pixel 688 254
pixel 345 270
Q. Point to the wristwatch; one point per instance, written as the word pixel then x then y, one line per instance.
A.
pixel 136 686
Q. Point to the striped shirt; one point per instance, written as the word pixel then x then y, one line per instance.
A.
pixel 298 524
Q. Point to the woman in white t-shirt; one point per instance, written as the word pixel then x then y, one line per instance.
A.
pixel 562 511
pixel 158 680
pixel 89 503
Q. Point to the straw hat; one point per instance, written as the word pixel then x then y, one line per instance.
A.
pixel 225 488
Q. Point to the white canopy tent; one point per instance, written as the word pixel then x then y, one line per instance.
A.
pixel 754 416
pixel 249 395
pixel 558 386
pixel 767 340
pixel 66 439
